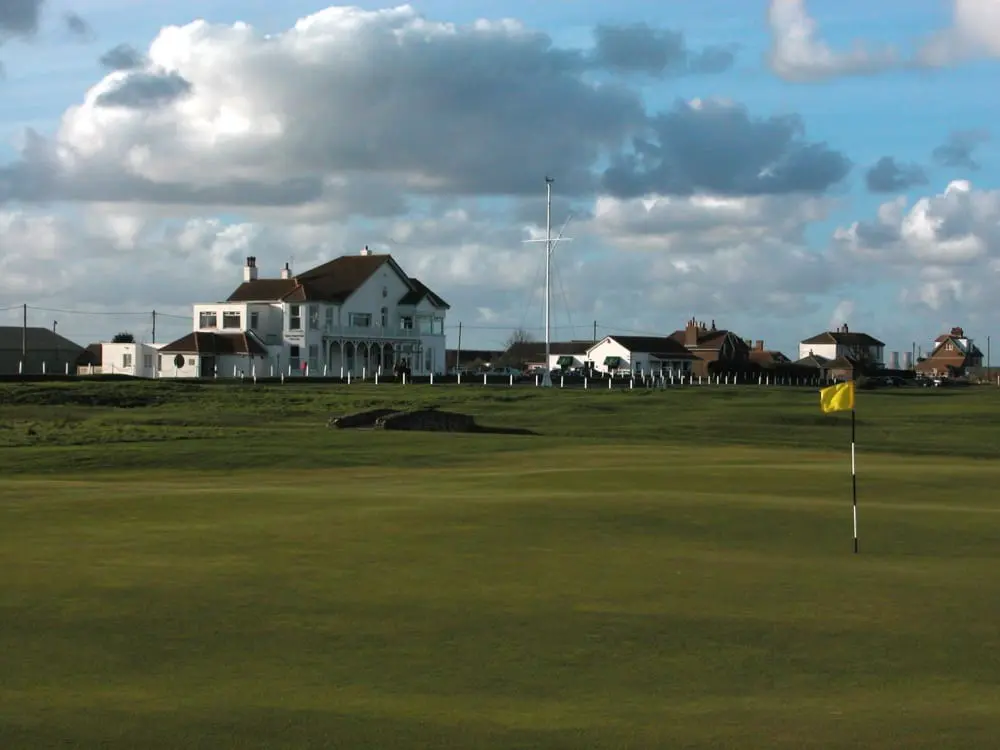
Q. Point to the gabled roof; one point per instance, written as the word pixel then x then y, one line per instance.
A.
pixel 708 339
pixel 767 356
pixel 661 347
pixel 333 281
pixel 419 291
pixel 963 348
pixel 37 338
pixel 843 339
pixel 208 342
pixel 813 360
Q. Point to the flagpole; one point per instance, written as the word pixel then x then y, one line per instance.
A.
pixel 854 484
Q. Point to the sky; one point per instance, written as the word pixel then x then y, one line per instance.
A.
pixel 780 167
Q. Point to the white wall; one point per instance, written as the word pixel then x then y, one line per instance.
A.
pixel 632 361
pixel 579 360
pixel 190 368
pixel 820 350
pixel 138 359
pixel 832 351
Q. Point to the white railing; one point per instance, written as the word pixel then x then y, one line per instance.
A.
pixel 376 332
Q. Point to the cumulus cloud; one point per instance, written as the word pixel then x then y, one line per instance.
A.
pixel 889 176
pixel 959 150
pixel 144 90
pixel 975 32
pixel 716 146
pixel 77 26
pixel 122 57
pixel 657 52
pixel 799 54
pixel 19 17
pixel 946 247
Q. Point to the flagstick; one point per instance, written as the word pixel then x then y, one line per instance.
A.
pixel 854 485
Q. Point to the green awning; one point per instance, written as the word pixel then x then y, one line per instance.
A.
pixel 564 361
pixel 612 361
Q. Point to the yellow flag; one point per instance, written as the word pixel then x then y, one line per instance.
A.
pixel 838 397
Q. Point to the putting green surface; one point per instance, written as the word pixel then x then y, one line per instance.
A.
pixel 640 589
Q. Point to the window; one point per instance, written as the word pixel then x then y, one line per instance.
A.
pixel 293 358
pixel 230 320
pixel 147 361
pixel 159 364
pixel 313 317
pixel 385 317
pixel 191 362
pixel 255 320
pixel 949 347
pixel 329 317
pixel 294 318
pixel 126 360
pixel 208 319
pixel 313 357
pixel 406 323
pixel 361 320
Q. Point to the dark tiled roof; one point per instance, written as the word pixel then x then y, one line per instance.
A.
pixel 207 342
pixel 533 349
pixel 707 338
pixel 333 281
pixel 419 291
pixel 37 339
pixel 666 346
pixel 767 356
pixel 813 360
pixel 844 339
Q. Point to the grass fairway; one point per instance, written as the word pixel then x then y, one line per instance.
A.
pixel 213 568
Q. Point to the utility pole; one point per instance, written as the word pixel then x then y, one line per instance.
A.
pixel 24 334
pixel 987 355
pixel 154 326
pixel 595 331
pixel 458 354
pixel 54 324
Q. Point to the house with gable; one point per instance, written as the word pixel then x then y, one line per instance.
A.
pixel 356 314
pixel 859 348
pixel 715 349
pixel 657 355
pixel 953 355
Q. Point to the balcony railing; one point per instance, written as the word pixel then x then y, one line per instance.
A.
pixel 375 332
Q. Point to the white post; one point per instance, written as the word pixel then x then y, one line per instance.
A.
pixel 43 368
pixel 404 378
pixel 364 373
pixel 484 378
pixel 631 384
pixel 432 378
pixel 459 380
pixel 282 378
pixel 562 380
pixel 324 369
pixel 307 369
pixel 536 381
pixel 20 368
pixel 584 382
pixel 289 371
pixel 511 382
pixel 376 378
pixel 270 371
pixel 348 377
pixel 255 378
pixel 341 372
pixel 67 368
pixel 609 384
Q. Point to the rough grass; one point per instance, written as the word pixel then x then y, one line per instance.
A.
pixel 217 569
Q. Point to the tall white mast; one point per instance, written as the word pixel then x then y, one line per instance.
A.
pixel 547 376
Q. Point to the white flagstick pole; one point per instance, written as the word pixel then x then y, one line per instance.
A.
pixel 854 484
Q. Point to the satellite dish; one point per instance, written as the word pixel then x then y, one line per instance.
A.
pixel 179 360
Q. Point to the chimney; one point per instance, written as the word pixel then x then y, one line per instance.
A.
pixel 713 325
pixel 250 269
pixel 691 333
pixel 366 251
pixel 758 345
pixel 844 329
pixel 286 272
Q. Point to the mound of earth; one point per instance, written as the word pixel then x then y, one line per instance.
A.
pixel 422 420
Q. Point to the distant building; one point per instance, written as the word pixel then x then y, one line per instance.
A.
pixel 953 355
pixel 853 347
pixel 715 349
pixel 45 351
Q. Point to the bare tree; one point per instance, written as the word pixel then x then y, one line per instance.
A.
pixel 518 336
